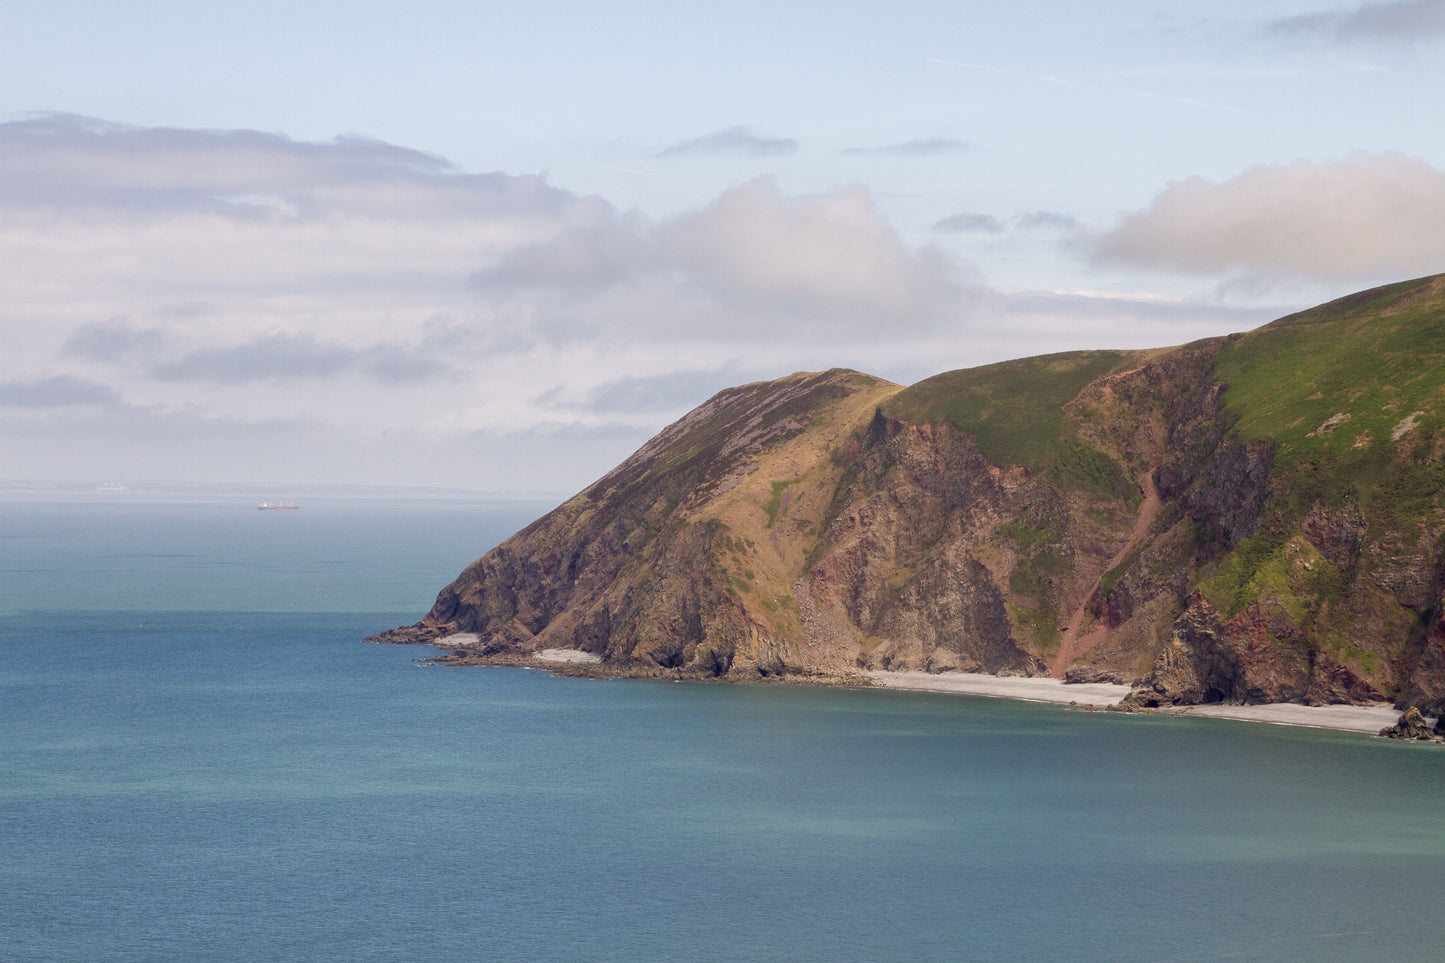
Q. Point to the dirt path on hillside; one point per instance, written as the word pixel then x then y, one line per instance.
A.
pixel 1072 643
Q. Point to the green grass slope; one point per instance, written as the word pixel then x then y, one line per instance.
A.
pixel 1351 395
pixel 1015 412
pixel 1377 357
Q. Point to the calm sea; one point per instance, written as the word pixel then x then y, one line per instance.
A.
pixel 199 760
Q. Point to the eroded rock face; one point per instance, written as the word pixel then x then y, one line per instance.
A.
pixel 1225 498
pixel 1426 683
pixel 1195 666
pixel 915 504
pixel 1257 656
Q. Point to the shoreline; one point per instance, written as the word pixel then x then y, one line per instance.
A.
pixel 1369 719
pixel 1023 688
pixel 1365 719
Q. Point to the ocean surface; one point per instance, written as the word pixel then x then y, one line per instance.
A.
pixel 200 760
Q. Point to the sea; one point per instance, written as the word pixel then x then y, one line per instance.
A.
pixel 200 759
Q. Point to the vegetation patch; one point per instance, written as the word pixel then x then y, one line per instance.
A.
pixel 1293 577
pixel 1085 468
pixel 1029 537
pixel 1112 577
pixel 1378 356
pixel 1397 493
pixel 776 501
pixel 1015 412
pixel 1041 555
pixel 1040 624
pixel 1232 586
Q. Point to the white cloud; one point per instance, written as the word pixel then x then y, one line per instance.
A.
pixel 832 256
pixel 732 142
pixel 234 304
pixel 158 278
pixel 1399 21
pixel 1368 217
pixel 753 261
pixel 598 250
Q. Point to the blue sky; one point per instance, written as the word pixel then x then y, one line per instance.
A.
pixel 499 247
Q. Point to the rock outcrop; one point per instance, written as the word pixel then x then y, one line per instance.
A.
pixel 1174 519
pixel 1413 727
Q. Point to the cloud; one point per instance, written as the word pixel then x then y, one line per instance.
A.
pixel 732 142
pixel 1400 21
pixel 668 392
pixel 292 357
pixel 973 222
pixel 239 304
pixel 59 391
pixel 67 162
pixel 354 196
pixel 969 223
pixel 1159 312
pixel 751 260
pixel 240 256
pixel 398 365
pixel 273 357
pixel 183 277
pixel 832 255
pixel 1367 217
pixel 111 340
pixel 1046 221
pixel 277 357
pixel 601 251
pixel 919 147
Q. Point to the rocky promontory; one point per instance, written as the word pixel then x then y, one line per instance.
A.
pixel 1254 518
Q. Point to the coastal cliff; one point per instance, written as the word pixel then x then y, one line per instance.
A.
pixel 1255 518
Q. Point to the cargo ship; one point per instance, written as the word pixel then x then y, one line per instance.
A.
pixel 278 507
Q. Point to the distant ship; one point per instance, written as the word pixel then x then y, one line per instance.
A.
pixel 277 507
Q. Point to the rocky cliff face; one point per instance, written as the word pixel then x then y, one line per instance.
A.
pixel 1247 519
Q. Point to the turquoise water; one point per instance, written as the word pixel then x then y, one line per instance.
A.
pixel 241 778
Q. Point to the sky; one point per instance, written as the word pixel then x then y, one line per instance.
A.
pixel 497 247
